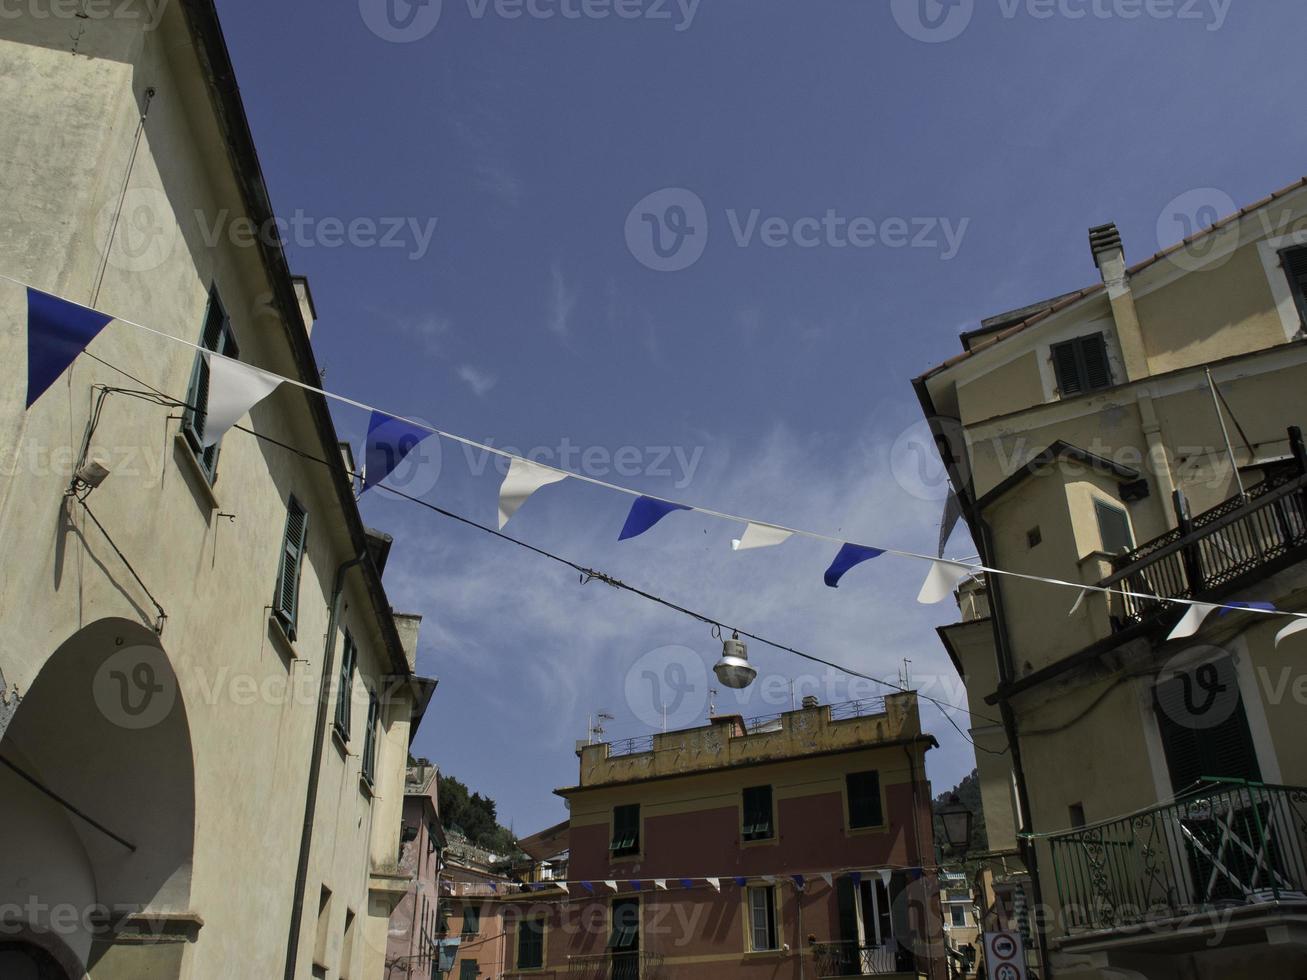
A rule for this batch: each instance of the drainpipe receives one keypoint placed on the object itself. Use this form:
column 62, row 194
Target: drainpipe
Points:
column 1006, row 673
column 315, row 764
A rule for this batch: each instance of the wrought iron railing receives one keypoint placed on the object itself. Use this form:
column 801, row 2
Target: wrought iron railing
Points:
column 1218, row 548
column 853, row 959
column 1230, row 844
column 641, row 965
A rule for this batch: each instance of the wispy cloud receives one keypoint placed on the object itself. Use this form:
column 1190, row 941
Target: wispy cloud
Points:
column 562, row 303
column 479, row 381
column 430, row 330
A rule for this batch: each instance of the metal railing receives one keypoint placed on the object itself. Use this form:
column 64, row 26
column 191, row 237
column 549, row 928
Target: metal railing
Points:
column 757, row 725
column 852, row 959
column 640, row 965
column 1230, row 844
column 1234, row 540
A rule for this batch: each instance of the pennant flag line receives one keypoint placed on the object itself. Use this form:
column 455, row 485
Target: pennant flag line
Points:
column 760, row 536
column 798, row 881
column 660, row 884
column 1230, row 607
column 1191, row 622
column 588, row 886
column 849, row 556
column 389, row 441
column 885, row 875
column 1080, row 601
column 826, row 877
column 741, row 880
column 611, row 884
column 524, row 478
column 1290, row 630
column 855, row 877
column 635, row 885
column 952, row 511
column 57, row 331
column 687, row 884
column 944, row 577
column 234, row 388
column 645, row 513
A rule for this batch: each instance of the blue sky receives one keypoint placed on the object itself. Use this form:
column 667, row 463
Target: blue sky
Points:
column 768, row 372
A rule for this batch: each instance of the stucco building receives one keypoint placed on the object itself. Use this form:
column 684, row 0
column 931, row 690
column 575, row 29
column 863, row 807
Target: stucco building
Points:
column 798, row 845
column 207, row 707
column 416, row 924
column 1139, row 436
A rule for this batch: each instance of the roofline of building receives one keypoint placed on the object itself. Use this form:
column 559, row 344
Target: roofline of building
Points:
column 1070, row 299
column 1057, row 451
column 929, row 740
column 215, row 61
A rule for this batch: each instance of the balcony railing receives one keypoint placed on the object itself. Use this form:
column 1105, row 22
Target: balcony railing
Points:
column 1231, row 845
column 851, row 959
column 1225, row 547
column 641, row 965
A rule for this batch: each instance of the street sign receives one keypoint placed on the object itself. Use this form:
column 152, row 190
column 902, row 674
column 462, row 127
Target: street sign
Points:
column 1005, row 956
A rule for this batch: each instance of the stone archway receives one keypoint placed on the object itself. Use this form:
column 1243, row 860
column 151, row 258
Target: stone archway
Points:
column 98, row 805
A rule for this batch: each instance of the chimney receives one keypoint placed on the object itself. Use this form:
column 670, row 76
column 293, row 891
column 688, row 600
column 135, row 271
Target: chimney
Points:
column 810, row 701
column 1109, row 256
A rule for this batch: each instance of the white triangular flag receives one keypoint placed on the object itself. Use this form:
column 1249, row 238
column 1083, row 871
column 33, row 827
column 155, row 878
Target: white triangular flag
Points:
column 715, row 882
column 770, row 879
column 524, row 478
column 1080, row 601
column 760, row 536
column 660, row 883
column 234, row 388
column 827, row 877
column 611, row 884
column 944, row 577
column 1288, row 631
column 1192, row 620
column 885, row 875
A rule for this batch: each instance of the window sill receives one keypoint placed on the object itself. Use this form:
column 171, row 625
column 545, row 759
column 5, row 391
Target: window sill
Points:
column 339, row 741
column 859, row 831
column 366, row 787
column 761, row 841
column 280, row 637
column 193, row 470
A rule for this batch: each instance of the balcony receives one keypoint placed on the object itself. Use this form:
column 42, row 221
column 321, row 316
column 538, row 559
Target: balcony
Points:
column 1230, row 857
column 641, row 965
column 1226, row 548
column 851, row 959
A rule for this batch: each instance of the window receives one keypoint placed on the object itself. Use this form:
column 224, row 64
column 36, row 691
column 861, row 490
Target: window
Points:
column 626, row 830
column 348, row 662
column 758, row 813
column 762, row 917
column 347, row 945
column 1081, row 365
column 1113, row 528
column 1076, row 811
column 285, row 604
column 626, row 926
column 1034, row 537
column 531, row 944
column 1204, row 729
column 1294, row 261
column 468, row 970
column 471, row 920
column 958, row 914
column 324, row 922
column 370, row 739
column 864, row 799
column 215, row 336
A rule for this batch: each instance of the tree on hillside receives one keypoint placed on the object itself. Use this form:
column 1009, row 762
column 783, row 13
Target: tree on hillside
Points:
column 474, row 816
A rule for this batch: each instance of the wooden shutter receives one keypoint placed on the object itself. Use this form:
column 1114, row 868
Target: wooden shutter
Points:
column 758, row 813
column 1093, row 353
column 1081, row 365
column 370, row 738
column 1067, row 367
column 864, row 799
column 1201, row 738
column 286, row 601
column 214, row 336
column 348, row 659
column 848, row 908
column 626, row 829
column 1294, row 261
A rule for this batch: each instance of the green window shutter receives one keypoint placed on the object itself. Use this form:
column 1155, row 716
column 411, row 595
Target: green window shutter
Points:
column 1113, row 528
column 530, row 944
column 215, row 336
column 848, row 910
column 1204, row 728
column 626, row 829
column 758, row 813
column 1081, row 365
column 370, row 739
column 1093, row 354
column 348, row 660
column 1294, row 261
column 286, row 602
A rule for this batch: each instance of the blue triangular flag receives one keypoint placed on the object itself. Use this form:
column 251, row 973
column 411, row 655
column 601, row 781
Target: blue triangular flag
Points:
column 687, row 884
column 798, row 881
column 849, row 556
column 588, row 886
column 57, row 331
column 856, row 878
column 1264, row 606
column 389, row 441
column 645, row 513
column 635, row 885
column 741, row 880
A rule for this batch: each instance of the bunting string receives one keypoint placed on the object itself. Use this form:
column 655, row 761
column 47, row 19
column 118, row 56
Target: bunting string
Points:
column 59, row 329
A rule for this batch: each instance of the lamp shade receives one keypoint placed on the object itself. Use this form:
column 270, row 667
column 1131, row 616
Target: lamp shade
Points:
column 957, row 824
column 733, row 669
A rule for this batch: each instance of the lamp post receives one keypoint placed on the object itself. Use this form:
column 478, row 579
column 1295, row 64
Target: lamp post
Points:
column 957, row 824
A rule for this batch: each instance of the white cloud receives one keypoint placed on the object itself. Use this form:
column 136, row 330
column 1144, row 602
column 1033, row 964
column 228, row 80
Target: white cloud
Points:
column 562, row 303
column 430, row 330
column 479, row 381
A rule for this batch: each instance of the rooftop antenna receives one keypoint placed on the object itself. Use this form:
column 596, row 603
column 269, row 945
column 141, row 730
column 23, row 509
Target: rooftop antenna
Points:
column 712, row 702
column 595, row 725
column 905, row 678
